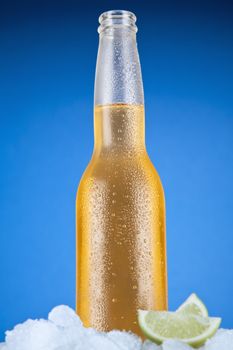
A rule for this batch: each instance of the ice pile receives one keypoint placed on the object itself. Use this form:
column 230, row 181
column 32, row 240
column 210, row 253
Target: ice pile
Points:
column 64, row 331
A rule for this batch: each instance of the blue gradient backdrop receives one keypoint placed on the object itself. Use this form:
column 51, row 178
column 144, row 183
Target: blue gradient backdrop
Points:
column 47, row 65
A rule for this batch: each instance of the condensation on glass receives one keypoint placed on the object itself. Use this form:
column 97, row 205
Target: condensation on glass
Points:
column 121, row 238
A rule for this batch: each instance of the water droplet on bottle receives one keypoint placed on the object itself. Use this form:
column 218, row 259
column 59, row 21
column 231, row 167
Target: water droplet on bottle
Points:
column 114, row 300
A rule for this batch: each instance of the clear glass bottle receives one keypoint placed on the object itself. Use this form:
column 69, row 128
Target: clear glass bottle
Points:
column 121, row 245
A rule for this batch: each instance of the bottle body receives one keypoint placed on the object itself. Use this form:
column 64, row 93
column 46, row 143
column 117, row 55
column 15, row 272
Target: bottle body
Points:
column 120, row 225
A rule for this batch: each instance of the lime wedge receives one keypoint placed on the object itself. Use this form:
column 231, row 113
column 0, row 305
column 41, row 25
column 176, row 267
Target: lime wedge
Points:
column 191, row 328
column 193, row 305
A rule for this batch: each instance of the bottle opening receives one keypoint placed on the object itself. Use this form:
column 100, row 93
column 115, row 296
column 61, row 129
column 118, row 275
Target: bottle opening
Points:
column 117, row 19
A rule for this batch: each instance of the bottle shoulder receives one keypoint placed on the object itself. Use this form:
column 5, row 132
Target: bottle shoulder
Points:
column 101, row 166
column 136, row 171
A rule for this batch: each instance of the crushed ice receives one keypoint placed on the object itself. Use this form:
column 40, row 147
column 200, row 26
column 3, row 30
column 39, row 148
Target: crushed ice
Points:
column 64, row 331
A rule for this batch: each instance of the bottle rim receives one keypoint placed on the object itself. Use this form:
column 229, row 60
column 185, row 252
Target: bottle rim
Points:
column 117, row 19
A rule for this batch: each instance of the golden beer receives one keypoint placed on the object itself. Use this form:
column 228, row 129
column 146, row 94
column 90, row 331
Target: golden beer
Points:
column 121, row 245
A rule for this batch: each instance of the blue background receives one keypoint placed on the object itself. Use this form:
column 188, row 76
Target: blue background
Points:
column 47, row 65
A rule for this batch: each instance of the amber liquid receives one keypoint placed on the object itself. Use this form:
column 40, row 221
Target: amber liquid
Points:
column 121, row 248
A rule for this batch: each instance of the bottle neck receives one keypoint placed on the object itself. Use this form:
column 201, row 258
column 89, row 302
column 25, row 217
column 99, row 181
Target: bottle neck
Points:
column 119, row 129
column 118, row 71
column 119, row 98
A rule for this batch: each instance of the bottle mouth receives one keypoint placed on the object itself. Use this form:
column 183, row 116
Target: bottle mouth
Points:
column 117, row 19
